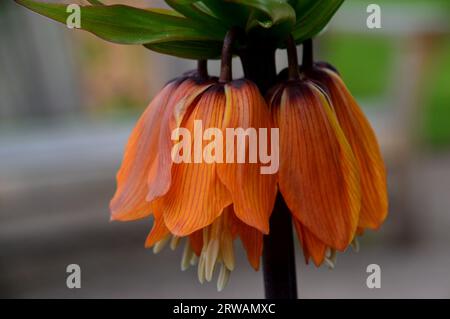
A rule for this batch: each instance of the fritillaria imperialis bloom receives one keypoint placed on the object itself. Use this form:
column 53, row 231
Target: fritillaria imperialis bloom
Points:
column 363, row 142
column 209, row 203
column 332, row 175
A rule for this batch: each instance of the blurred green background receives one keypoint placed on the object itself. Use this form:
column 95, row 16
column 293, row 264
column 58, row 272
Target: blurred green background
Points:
column 357, row 54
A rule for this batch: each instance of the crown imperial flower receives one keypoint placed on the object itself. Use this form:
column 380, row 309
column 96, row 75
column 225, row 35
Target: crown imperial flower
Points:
column 209, row 203
column 332, row 175
column 296, row 143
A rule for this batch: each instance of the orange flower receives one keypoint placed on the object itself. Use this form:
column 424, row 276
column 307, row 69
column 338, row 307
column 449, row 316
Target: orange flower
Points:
column 363, row 142
column 210, row 203
column 140, row 161
column 318, row 174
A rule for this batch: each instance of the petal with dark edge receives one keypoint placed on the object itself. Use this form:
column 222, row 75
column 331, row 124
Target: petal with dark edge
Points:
column 318, row 175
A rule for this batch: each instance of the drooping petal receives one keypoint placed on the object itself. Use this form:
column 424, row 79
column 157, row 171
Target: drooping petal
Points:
column 158, row 232
column 129, row 201
column 251, row 238
column 253, row 192
column 318, row 175
column 177, row 107
column 196, row 196
column 364, row 144
column 312, row 246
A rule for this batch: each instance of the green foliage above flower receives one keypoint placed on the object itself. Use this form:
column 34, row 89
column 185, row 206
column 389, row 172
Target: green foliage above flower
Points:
column 195, row 29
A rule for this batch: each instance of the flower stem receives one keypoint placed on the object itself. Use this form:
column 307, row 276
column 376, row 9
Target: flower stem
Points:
column 258, row 61
column 279, row 257
column 227, row 55
column 202, row 69
column 308, row 56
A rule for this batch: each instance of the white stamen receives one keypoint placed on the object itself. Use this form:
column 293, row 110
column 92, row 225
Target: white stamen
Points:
column 175, row 242
column 159, row 246
column 201, row 269
column 355, row 245
column 187, row 256
column 328, row 252
column 329, row 263
column 227, row 252
column 211, row 255
column 330, row 258
column 223, row 278
column 194, row 260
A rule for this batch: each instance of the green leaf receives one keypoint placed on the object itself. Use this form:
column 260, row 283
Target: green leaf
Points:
column 197, row 12
column 312, row 17
column 197, row 50
column 231, row 14
column 267, row 13
column 263, row 18
column 128, row 25
column 301, row 6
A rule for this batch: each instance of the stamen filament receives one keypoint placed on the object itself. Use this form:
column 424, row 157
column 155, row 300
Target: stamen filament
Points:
column 159, row 246
column 223, row 278
column 175, row 242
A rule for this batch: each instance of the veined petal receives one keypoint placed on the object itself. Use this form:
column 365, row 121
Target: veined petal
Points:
column 251, row 238
column 129, row 201
column 364, row 144
column 177, row 107
column 158, row 232
column 253, row 192
column 196, row 196
column 312, row 246
column 318, row 175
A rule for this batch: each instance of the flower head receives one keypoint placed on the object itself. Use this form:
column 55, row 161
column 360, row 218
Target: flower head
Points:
column 360, row 135
column 318, row 174
column 142, row 158
column 332, row 175
column 193, row 188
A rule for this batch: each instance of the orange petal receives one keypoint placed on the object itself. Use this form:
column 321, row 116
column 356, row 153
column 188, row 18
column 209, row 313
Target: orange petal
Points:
column 158, row 232
column 364, row 144
column 318, row 175
column 196, row 196
column 129, row 201
column 196, row 241
column 253, row 193
column 251, row 238
column 175, row 110
column 312, row 246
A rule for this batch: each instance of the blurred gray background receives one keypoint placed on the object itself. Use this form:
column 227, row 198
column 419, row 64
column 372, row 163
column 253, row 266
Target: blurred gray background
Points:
column 69, row 100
